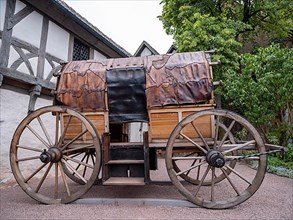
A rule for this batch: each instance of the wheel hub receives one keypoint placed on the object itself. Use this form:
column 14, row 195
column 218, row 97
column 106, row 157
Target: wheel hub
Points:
column 52, row 155
column 215, row 158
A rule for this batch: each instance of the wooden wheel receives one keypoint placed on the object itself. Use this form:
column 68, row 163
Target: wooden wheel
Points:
column 216, row 160
column 194, row 179
column 44, row 144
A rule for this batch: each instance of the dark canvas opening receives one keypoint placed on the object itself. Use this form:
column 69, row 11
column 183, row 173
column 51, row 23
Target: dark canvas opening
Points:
column 126, row 95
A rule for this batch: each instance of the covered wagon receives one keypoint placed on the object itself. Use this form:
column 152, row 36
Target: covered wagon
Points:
column 109, row 119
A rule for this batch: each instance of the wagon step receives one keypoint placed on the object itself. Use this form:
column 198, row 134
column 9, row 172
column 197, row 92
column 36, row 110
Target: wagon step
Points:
column 125, row 162
column 116, row 181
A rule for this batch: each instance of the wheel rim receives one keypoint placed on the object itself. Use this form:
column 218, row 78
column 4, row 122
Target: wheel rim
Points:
column 212, row 190
column 44, row 144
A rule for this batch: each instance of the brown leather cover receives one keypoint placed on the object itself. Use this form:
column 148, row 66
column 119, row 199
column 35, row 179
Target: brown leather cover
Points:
column 178, row 79
column 82, row 86
column 172, row 79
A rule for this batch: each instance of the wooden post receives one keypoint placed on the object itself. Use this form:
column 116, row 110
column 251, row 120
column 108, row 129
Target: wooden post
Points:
column 34, row 93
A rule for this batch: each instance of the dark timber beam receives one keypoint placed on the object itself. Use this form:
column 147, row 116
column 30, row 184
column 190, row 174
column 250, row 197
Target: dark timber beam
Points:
column 19, row 16
column 7, row 33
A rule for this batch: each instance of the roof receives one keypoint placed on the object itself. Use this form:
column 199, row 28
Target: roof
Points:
column 172, row 49
column 144, row 45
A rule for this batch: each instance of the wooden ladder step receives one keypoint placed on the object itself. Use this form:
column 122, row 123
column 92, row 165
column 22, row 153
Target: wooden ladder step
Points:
column 116, row 181
column 125, row 162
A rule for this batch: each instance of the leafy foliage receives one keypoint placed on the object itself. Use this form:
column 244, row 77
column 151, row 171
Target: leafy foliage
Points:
column 258, row 85
column 263, row 91
column 273, row 17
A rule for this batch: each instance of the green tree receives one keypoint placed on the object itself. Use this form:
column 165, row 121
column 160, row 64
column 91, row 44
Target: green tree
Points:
column 263, row 92
column 272, row 17
column 257, row 85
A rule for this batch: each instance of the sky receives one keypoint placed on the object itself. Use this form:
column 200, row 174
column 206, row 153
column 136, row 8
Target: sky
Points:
column 127, row 22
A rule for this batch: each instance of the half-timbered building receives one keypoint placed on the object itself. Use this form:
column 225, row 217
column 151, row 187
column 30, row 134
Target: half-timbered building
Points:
column 36, row 36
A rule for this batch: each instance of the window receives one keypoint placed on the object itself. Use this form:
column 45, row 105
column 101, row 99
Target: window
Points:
column 80, row 51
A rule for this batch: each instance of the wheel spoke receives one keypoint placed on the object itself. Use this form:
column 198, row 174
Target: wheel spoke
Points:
column 198, row 171
column 92, row 156
column 64, row 132
column 231, row 183
column 239, row 146
column 226, row 134
column 202, row 179
column 238, row 174
column 216, row 131
column 57, row 128
column 28, row 158
column 73, row 170
column 73, row 140
column 191, row 165
column 56, row 181
column 190, row 168
column 187, row 158
column 76, row 154
column 45, row 131
column 43, row 178
column 38, row 136
column 193, row 142
column 64, row 179
column 79, row 162
column 200, row 135
column 29, row 148
column 213, row 184
column 87, row 160
column 34, row 173
column 77, row 148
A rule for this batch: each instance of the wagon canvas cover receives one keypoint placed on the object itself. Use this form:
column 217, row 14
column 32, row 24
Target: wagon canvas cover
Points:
column 171, row 79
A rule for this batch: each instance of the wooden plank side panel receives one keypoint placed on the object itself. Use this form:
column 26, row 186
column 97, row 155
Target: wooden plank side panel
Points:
column 74, row 128
column 164, row 120
column 203, row 124
column 162, row 124
column 99, row 123
column 99, row 120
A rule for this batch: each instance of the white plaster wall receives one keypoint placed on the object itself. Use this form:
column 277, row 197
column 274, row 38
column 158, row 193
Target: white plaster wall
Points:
column 58, row 41
column 136, row 130
column 98, row 55
column 146, row 52
column 2, row 13
column 29, row 29
column 13, row 56
column 13, row 108
column 18, row 6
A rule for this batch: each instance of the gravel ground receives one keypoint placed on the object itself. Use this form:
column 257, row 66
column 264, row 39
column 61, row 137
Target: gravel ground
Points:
column 274, row 200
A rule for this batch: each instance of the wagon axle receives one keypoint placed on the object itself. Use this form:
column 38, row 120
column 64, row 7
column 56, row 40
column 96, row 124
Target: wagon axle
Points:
column 215, row 158
column 52, row 155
